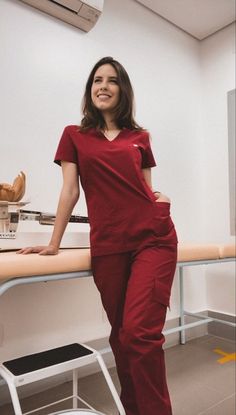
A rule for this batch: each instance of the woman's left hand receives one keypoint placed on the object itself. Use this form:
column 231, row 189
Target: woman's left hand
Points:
column 160, row 197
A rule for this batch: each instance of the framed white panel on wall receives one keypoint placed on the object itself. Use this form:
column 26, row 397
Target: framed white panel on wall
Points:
column 231, row 148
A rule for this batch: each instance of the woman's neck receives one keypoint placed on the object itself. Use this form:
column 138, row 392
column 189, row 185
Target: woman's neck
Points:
column 110, row 124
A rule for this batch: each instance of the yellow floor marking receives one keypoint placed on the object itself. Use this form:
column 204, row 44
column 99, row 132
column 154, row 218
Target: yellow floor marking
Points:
column 227, row 356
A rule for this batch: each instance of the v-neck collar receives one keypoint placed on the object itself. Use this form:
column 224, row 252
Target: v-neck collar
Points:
column 114, row 139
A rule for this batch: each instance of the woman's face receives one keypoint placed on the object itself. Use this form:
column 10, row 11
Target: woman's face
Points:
column 105, row 91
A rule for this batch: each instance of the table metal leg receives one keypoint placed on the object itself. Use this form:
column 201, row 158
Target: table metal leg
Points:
column 181, row 297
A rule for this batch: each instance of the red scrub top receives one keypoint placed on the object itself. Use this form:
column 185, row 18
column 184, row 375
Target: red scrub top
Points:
column 122, row 210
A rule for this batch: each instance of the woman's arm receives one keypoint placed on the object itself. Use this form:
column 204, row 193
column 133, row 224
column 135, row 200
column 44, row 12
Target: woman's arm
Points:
column 68, row 198
column 148, row 179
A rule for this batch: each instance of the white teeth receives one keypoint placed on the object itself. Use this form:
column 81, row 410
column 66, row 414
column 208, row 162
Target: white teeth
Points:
column 103, row 97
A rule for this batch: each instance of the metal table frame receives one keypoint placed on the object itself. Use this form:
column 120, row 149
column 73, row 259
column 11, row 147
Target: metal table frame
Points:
column 12, row 282
column 201, row 318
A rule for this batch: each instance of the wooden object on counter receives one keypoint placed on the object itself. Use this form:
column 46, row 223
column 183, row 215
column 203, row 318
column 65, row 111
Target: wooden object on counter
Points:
column 14, row 192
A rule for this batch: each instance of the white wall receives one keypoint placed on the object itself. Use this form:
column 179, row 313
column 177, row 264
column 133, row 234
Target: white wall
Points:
column 44, row 66
column 218, row 77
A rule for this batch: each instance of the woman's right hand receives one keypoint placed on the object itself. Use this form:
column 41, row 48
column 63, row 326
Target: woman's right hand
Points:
column 41, row 250
column 161, row 198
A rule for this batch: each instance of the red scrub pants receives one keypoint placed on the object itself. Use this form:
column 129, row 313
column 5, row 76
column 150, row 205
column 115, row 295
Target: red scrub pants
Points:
column 135, row 289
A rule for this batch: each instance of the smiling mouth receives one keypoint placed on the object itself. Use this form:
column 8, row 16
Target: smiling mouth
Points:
column 103, row 96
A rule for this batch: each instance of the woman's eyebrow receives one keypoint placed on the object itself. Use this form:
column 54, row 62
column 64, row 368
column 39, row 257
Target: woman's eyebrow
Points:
column 109, row 77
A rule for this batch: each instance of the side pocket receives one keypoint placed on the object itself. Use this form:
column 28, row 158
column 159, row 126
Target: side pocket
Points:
column 162, row 220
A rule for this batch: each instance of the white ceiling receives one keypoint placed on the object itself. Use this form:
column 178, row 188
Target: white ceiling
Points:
column 199, row 18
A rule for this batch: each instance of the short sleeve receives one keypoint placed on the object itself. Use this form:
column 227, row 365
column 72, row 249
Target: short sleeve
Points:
column 66, row 150
column 147, row 155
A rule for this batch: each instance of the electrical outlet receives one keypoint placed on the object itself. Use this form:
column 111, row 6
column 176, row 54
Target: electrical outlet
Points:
column 1, row 334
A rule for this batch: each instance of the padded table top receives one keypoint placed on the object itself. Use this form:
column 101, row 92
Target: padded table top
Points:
column 78, row 259
column 67, row 260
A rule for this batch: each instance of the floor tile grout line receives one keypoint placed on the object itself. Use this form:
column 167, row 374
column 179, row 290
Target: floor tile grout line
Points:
column 215, row 405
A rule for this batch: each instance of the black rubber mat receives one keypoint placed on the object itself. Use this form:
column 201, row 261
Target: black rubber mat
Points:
column 48, row 358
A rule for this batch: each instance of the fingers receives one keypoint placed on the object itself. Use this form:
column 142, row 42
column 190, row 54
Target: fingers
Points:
column 41, row 250
column 163, row 198
column 27, row 250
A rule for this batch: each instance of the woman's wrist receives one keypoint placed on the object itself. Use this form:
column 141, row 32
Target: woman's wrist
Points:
column 54, row 245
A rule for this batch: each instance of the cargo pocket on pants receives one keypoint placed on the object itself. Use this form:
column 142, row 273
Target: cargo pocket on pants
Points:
column 166, row 272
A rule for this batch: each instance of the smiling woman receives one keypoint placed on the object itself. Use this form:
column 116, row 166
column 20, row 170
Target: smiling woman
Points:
column 133, row 239
column 110, row 80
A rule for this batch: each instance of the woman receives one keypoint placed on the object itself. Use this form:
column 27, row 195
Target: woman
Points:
column 133, row 240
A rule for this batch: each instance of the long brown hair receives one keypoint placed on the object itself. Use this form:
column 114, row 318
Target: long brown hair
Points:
column 123, row 113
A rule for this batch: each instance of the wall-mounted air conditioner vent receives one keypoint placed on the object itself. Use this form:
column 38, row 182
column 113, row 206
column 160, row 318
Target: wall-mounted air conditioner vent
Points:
column 82, row 14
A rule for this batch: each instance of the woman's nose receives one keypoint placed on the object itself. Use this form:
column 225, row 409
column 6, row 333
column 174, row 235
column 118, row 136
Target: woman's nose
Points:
column 103, row 86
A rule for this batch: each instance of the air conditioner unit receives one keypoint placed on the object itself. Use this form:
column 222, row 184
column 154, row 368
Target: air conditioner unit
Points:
column 82, row 14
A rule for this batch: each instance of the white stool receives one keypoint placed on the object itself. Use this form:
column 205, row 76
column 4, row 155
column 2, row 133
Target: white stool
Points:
column 38, row 366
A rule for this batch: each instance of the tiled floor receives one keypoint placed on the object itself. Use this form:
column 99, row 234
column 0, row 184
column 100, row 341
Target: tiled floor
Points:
column 198, row 383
